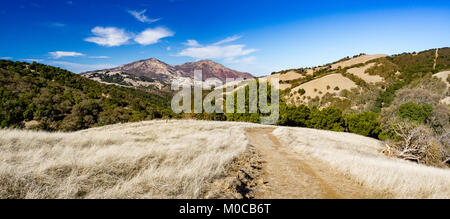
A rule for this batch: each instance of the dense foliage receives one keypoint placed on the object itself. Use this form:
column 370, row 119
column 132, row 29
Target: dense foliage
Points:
column 295, row 116
column 365, row 124
column 415, row 112
column 44, row 97
column 329, row 118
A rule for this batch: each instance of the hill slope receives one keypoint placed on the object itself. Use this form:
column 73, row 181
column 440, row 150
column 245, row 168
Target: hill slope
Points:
column 377, row 78
column 45, row 97
column 229, row 160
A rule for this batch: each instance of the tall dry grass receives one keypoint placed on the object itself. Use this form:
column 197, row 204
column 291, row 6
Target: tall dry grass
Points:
column 361, row 159
column 179, row 159
column 152, row 159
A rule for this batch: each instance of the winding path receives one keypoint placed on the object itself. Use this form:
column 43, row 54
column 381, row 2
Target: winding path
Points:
column 288, row 174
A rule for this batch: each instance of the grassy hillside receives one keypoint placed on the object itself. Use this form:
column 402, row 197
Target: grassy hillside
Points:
column 43, row 97
column 132, row 160
column 393, row 98
column 202, row 159
column 377, row 80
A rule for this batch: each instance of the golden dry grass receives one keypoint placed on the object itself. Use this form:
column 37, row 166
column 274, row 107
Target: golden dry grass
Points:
column 357, row 60
column 319, row 87
column 153, row 159
column 180, row 159
column 288, row 76
column 361, row 73
column 361, row 159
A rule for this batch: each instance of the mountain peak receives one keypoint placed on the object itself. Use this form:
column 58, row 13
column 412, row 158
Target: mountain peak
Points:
column 211, row 69
column 153, row 60
column 156, row 70
column 207, row 61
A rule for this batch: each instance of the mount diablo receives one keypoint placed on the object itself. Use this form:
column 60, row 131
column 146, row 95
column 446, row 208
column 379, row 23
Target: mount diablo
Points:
column 155, row 73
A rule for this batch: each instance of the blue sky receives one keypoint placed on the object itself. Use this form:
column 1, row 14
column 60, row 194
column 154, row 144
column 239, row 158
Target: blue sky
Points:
column 254, row 36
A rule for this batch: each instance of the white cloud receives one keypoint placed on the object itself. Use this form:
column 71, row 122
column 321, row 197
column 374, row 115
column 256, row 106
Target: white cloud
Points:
column 60, row 54
column 216, row 52
column 6, row 58
column 109, row 36
column 152, row 36
column 140, row 16
column 228, row 40
column 219, row 51
column 192, row 43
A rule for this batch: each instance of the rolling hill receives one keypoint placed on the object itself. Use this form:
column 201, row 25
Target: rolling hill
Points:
column 364, row 82
column 38, row 96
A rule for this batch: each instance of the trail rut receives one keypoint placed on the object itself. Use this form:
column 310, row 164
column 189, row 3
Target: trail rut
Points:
column 436, row 58
column 289, row 174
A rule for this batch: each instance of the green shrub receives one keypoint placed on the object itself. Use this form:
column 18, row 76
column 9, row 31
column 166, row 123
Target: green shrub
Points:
column 301, row 91
column 328, row 119
column 415, row 112
column 365, row 124
column 294, row 116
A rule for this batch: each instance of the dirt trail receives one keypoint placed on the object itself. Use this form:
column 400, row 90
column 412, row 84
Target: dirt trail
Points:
column 288, row 174
column 436, row 58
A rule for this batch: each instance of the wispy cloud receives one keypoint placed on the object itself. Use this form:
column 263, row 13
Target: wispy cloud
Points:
column 80, row 67
column 152, row 36
column 140, row 16
column 33, row 60
column 192, row 43
column 55, row 25
column 60, row 54
column 216, row 52
column 228, row 40
column 109, row 36
column 246, row 60
column 99, row 57
column 219, row 51
column 5, row 58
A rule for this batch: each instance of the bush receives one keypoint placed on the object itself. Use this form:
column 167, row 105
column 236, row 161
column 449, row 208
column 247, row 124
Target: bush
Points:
column 328, row 119
column 295, row 116
column 301, row 92
column 417, row 143
column 365, row 124
column 439, row 119
column 415, row 112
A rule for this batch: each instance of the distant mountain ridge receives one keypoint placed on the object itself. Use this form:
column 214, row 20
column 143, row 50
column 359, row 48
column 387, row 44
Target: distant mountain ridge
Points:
column 155, row 73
